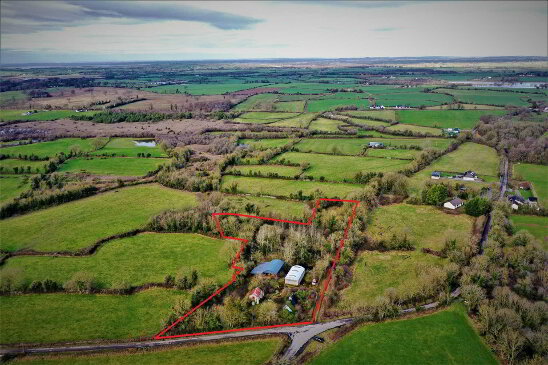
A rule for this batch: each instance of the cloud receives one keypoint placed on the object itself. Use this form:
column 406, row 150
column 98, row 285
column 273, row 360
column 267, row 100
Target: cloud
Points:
column 385, row 29
column 25, row 16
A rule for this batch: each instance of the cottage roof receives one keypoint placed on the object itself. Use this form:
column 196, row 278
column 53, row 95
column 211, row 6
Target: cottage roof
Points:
column 456, row 202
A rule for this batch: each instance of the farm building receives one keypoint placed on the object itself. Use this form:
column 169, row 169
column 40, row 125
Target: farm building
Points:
column 268, row 268
column 436, row 175
column 516, row 199
column 295, row 275
column 532, row 200
column 453, row 204
column 469, row 176
column 376, row 144
column 256, row 295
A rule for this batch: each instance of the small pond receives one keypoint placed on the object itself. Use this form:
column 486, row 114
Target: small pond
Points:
column 145, row 143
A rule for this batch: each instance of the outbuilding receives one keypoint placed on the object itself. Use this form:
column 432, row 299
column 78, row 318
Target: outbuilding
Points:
column 256, row 295
column 436, row 175
column 453, row 204
column 376, row 144
column 295, row 275
column 268, row 268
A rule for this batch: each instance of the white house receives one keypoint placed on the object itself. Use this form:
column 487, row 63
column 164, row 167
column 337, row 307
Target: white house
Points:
column 295, row 275
column 436, row 175
column 453, row 204
column 469, row 176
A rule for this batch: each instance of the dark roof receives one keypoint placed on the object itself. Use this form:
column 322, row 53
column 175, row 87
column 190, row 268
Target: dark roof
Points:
column 272, row 267
column 470, row 173
column 456, row 202
column 533, row 199
column 436, row 173
column 516, row 198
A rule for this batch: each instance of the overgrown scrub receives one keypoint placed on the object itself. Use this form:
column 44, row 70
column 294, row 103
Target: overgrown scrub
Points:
column 130, row 117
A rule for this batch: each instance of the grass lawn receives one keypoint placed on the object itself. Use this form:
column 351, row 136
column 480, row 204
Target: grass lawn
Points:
column 469, row 156
column 424, row 225
column 7, row 165
column 118, row 166
column 264, row 144
column 445, row 337
column 47, row 318
column 537, row 226
column 537, row 175
column 288, row 171
column 325, row 125
column 375, row 271
column 415, row 128
column 464, row 119
column 145, row 258
column 81, row 223
column 280, row 187
column 128, row 147
column 339, row 168
column 51, row 148
column 203, row 89
column 268, row 207
column 300, row 121
column 12, row 186
column 9, row 115
column 247, row 352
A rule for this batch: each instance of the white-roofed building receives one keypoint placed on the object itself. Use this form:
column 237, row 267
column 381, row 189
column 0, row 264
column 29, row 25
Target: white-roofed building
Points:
column 295, row 275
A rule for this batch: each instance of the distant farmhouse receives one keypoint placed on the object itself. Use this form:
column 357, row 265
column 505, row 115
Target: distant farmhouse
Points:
column 436, row 175
column 453, row 204
column 376, row 144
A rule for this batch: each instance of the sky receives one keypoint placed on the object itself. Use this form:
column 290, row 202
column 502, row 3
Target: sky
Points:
column 96, row 31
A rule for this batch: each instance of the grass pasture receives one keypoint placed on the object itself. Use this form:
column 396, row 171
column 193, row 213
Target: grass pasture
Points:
column 257, row 102
column 393, row 153
column 415, row 128
column 301, row 121
column 269, row 207
column 491, row 97
column 413, row 97
column 247, row 352
column 51, row 148
column 266, row 143
column 290, row 106
column 12, row 115
column 128, row 147
column 415, row 221
column 81, row 223
column 537, row 175
column 78, row 317
column 203, row 89
column 536, row 225
column 116, row 166
column 389, row 115
column 369, row 122
column 322, row 105
column 445, row 337
column 263, row 117
column 464, row 119
column 287, row 171
column 7, row 166
column 280, row 187
column 12, row 186
column 145, row 258
column 339, row 168
column 353, row 146
column 325, row 125
column 10, row 97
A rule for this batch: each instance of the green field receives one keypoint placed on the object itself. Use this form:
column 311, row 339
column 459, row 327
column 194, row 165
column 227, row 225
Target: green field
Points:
column 325, row 125
column 288, row 171
column 270, row 207
column 279, row 187
column 375, row 114
column 118, row 166
column 537, row 175
column 145, row 258
column 393, row 153
column 257, row 102
column 203, row 89
column 309, row 88
column 464, row 119
column 419, row 225
column 7, row 97
column 323, row 105
column 374, row 272
column 415, row 128
column 51, row 148
column 10, row 115
column 490, row 97
column 289, row 106
column 80, row 223
column 263, row 117
column 48, row 318
column 369, row 123
column 445, row 337
column 12, row 186
column 338, row 168
column 267, row 143
column 249, row 352
column 301, row 121
column 469, row 156
column 127, row 147
column 353, row 146
column 536, row 225
column 412, row 97
column 7, row 165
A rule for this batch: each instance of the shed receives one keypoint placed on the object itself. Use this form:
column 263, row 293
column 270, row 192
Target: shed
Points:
column 295, row 275
column 436, row 175
column 453, row 204
column 256, row 295
column 268, row 268
column 376, row 144
column 469, row 176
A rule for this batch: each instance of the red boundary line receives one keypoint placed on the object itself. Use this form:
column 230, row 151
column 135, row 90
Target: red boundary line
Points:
column 238, row 270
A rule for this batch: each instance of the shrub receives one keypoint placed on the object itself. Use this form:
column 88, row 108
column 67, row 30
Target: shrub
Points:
column 477, row 206
column 436, row 194
column 81, row 283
